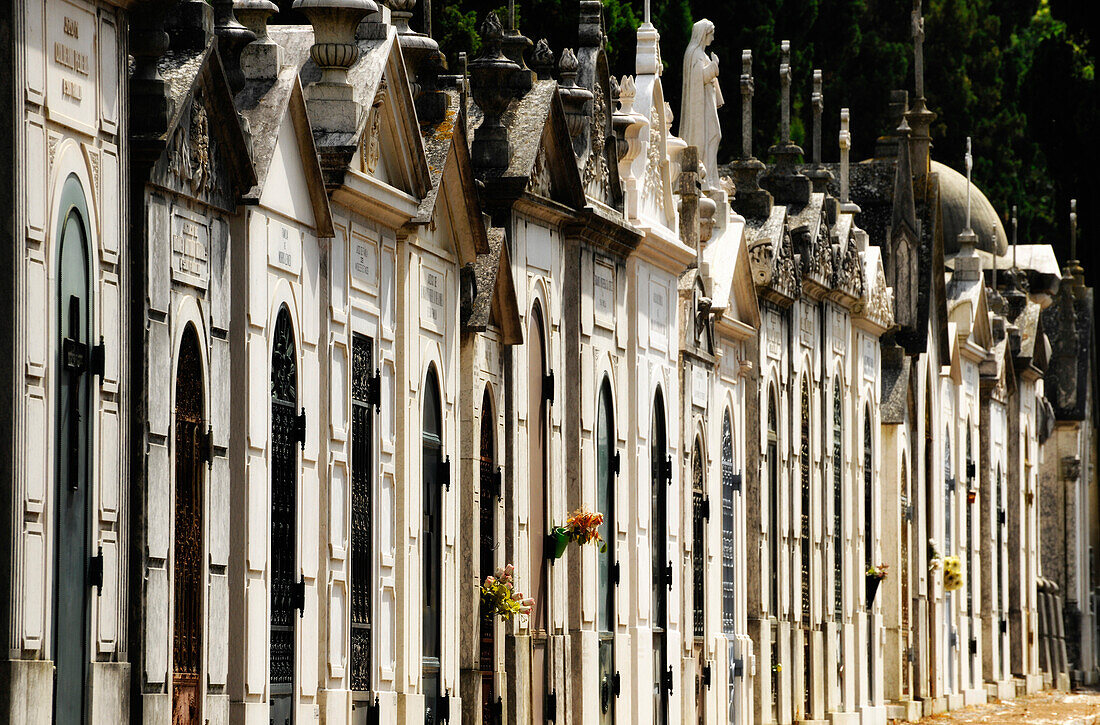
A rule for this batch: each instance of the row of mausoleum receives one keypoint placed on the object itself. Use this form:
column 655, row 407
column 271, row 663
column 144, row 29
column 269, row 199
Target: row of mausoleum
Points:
column 352, row 383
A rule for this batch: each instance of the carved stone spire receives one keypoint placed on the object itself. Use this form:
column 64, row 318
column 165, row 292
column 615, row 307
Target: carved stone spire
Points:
column 785, row 181
column 331, row 99
column 967, row 264
column 573, row 97
column 1074, row 272
column 751, row 200
column 263, row 57
column 543, row 60
column 232, row 38
column 1016, row 283
column 515, row 44
column 819, row 175
column 415, row 47
column 846, row 204
column 490, row 77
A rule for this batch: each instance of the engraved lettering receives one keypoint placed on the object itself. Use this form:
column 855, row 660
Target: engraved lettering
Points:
column 72, row 29
column 70, row 58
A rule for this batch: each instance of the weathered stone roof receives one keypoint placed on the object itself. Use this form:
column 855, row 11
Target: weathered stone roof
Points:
column 524, row 119
column 179, row 69
column 1028, row 323
column 485, row 270
column 438, row 138
column 263, row 104
column 895, row 387
column 983, row 217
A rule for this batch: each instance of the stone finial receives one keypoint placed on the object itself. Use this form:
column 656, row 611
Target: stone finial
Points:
column 920, row 118
column 331, row 99
column 490, row 77
column 543, row 60
column 629, row 127
column 785, row 181
column 573, row 97
column 148, row 90
column 751, row 200
column 688, row 184
column 1015, row 229
column 415, row 47
column 846, row 204
column 262, row 58
column 917, row 23
column 232, row 39
column 968, row 240
column 191, row 25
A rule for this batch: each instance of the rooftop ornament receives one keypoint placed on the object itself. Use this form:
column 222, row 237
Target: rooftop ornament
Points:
column 701, row 99
column 968, row 265
column 751, row 200
column 846, row 204
column 491, row 75
column 232, row 39
column 573, row 97
column 262, row 58
column 786, row 182
column 819, row 175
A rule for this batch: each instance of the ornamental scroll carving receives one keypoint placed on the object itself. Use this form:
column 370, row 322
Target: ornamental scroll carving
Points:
column 540, row 176
column 372, row 144
column 819, row 262
column 878, row 306
column 849, row 271
column 776, row 271
column 596, row 177
column 653, row 187
column 193, row 161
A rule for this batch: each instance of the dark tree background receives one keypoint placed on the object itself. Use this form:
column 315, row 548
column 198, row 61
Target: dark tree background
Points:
column 1016, row 75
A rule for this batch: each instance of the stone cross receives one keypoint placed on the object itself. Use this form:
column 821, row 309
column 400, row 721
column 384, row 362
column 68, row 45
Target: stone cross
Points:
column 969, row 166
column 918, row 47
column 511, row 14
column 1014, row 228
column 845, row 147
column 746, row 104
column 818, row 100
column 785, row 83
column 645, row 12
column 993, row 234
column 1073, row 229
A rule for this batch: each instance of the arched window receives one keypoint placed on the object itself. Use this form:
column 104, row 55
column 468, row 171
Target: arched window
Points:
column 606, row 469
column 286, row 436
column 187, row 568
column 363, row 382
column 838, row 502
column 434, row 473
column 661, row 573
column 490, row 489
column 74, row 465
column 729, row 533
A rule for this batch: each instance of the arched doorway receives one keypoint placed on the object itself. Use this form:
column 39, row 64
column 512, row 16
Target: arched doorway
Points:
column 538, row 471
column 698, row 569
column 187, row 567
column 74, row 465
column 869, row 542
column 774, row 546
column 431, row 538
column 286, row 435
column 363, row 391
column 605, row 595
column 660, row 572
column 729, row 561
column 838, row 525
column 487, row 545
column 949, row 550
column 805, row 544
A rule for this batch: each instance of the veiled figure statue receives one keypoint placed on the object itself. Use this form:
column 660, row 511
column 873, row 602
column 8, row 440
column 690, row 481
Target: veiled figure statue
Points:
column 701, row 99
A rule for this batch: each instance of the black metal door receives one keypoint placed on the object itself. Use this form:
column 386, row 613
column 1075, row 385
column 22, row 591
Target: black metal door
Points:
column 284, row 489
column 70, row 641
column 431, row 542
column 363, row 389
column 489, row 492
column 660, row 478
column 187, row 567
column 698, row 567
column 605, row 599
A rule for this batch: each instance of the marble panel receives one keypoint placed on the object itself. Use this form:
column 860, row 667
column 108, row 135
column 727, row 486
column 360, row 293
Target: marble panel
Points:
column 157, row 614
column 217, row 657
column 158, row 490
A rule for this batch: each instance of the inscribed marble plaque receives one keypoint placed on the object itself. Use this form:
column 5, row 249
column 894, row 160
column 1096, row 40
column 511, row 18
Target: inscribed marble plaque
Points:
column 72, row 65
column 433, row 298
column 190, row 250
column 603, row 292
column 284, row 250
column 658, row 316
column 364, row 261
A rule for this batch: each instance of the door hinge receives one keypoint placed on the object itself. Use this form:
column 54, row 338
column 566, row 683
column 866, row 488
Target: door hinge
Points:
column 704, row 508
column 953, row 640
column 668, row 680
column 616, row 684
column 1002, row 518
column 910, row 655
column 973, row 646
column 374, row 715
column 951, row 484
column 668, row 470
column 668, row 575
column 95, row 572
column 497, row 483
column 374, row 390
column 496, row 712
column 736, row 482
column 298, row 593
column 706, row 675
column 616, row 463
column 908, row 512
column 548, row 387
column 206, row 445
column 738, row 668
column 96, row 359
column 971, row 470
column 615, row 573
column 551, row 710
column 444, row 472
column 300, row 429
column 1004, row 625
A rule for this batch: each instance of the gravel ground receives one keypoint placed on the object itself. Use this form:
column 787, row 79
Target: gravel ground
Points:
column 1045, row 708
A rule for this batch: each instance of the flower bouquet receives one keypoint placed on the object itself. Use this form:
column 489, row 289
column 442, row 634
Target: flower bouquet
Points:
column 875, row 575
column 499, row 597
column 934, row 558
column 952, row 573
column 583, row 527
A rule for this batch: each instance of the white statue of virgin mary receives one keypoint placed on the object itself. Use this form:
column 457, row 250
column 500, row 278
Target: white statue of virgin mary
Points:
column 701, row 99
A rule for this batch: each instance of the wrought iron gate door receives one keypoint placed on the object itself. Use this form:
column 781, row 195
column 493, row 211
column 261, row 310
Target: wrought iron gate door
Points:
column 284, row 488
column 73, row 481
column 187, row 569
column 363, row 385
column 489, row 492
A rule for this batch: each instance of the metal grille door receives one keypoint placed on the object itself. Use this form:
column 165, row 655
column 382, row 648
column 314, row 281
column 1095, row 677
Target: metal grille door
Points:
column 363, row 382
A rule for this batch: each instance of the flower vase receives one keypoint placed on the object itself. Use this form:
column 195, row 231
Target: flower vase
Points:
column 872, row 589
column 558, row 541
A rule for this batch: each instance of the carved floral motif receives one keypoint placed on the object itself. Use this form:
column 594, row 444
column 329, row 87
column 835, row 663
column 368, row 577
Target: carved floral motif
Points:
column 372, row 144
column 540, row 176
column 596, row 177
column 653, row 187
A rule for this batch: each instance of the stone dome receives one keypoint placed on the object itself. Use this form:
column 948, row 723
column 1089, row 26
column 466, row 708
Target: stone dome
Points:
column 983, row 217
